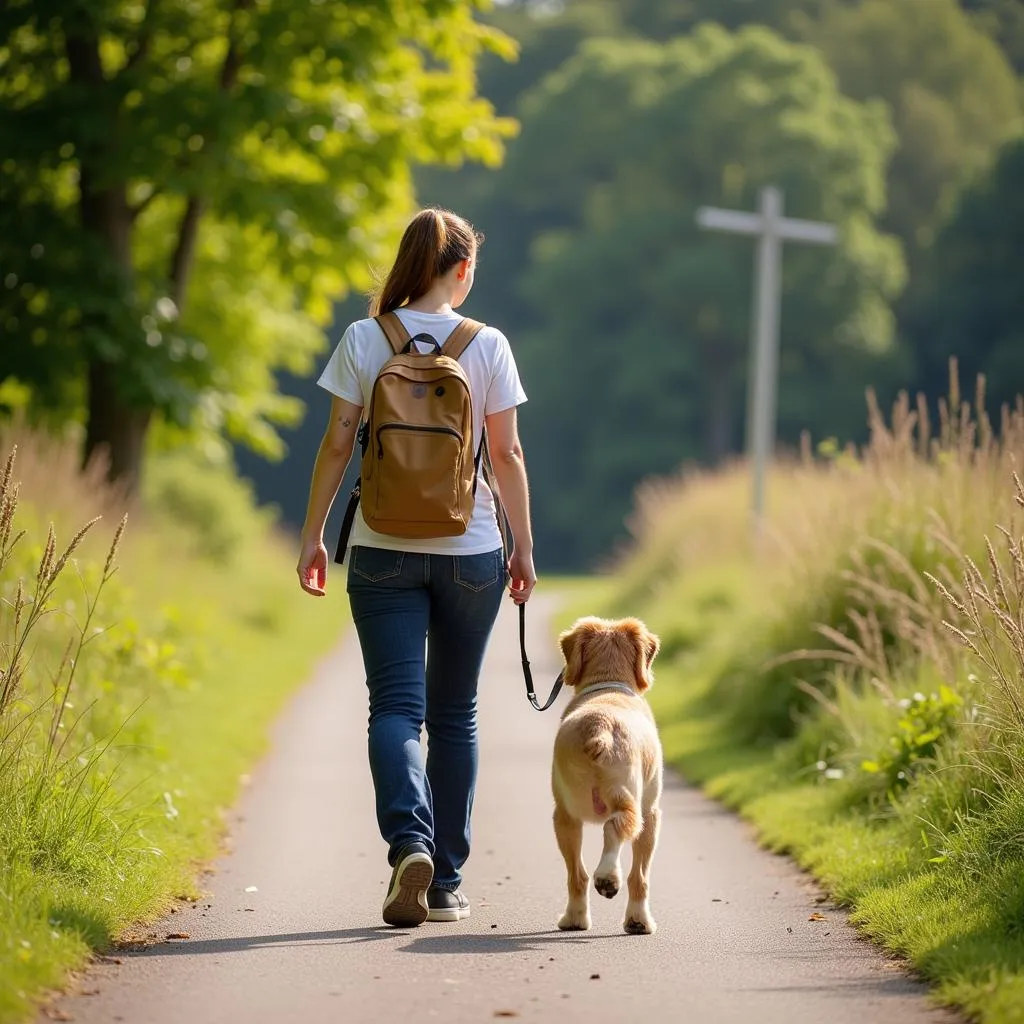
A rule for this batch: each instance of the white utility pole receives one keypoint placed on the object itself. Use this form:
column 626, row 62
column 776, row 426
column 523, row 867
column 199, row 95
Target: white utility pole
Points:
column 771, row 229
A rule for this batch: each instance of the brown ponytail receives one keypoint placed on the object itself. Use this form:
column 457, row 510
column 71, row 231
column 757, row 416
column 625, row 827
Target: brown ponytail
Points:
column 433, row 243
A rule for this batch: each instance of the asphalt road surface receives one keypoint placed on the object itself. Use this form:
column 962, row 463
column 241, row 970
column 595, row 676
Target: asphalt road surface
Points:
column 290, row 928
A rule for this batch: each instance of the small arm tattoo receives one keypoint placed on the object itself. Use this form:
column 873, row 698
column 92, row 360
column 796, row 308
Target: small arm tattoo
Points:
column 346, row 422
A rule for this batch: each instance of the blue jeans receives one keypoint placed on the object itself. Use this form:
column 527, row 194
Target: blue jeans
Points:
column 423, row 623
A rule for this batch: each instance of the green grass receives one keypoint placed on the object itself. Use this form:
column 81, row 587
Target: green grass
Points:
column 952, row 904
column 854, row 684
column 206, row 636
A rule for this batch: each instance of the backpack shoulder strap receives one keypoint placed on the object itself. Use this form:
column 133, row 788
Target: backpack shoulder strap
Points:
column 459, row 340
column 394, row 330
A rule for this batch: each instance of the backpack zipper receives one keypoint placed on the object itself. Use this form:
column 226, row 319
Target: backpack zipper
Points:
column 408, row 426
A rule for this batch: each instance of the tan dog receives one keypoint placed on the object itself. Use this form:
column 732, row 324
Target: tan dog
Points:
column 607, row 764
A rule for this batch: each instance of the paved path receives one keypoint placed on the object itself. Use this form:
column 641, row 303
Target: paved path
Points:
column 734, row 942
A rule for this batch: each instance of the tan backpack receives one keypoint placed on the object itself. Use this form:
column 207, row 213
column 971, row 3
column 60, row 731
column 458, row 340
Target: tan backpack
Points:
column 418, row 471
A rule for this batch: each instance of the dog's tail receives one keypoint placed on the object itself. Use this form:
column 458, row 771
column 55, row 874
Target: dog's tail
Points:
column 625, row 816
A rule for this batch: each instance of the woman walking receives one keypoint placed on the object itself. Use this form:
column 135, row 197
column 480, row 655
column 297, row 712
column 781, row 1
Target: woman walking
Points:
column 424, row 608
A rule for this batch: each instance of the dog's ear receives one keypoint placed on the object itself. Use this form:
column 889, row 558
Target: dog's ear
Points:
column 647, row 646
column 573, row 643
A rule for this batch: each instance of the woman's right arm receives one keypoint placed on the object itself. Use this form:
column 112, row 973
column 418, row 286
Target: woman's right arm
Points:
column 510, row 474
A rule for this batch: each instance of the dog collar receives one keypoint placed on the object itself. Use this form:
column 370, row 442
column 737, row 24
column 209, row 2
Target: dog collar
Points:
column 620, row 687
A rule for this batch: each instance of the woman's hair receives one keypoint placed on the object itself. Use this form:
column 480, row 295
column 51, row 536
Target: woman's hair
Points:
column 433, row 243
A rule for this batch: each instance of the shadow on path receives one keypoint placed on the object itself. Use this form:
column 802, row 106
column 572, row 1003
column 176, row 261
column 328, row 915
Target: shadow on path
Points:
column 519, row 942
column 457, row 943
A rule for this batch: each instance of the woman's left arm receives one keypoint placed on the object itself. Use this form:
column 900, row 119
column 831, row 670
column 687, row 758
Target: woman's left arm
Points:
column 331, row 462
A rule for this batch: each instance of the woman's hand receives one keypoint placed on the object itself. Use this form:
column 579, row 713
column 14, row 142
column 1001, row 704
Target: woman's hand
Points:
column 524, row 577
column 312, row 567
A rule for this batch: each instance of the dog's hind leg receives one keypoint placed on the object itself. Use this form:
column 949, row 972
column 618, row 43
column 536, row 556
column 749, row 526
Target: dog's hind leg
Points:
column 569, row 833
column 608, row 876
column 638, row 914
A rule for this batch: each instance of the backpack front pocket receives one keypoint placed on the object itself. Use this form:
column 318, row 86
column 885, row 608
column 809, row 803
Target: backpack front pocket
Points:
column 418, row 469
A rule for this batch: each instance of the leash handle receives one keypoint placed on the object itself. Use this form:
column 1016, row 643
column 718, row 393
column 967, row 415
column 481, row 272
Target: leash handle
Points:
column 531, row 693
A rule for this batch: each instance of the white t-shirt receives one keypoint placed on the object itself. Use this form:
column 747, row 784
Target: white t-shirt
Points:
column 494, row 387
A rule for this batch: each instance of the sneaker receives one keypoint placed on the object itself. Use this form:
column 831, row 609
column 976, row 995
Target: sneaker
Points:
column 406, row 903
column 445, row 905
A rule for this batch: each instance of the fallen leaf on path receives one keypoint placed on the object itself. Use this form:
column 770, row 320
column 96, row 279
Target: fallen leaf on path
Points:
column 595, row 977
column 505, row 1013
column 817, row 917
column 177, row 935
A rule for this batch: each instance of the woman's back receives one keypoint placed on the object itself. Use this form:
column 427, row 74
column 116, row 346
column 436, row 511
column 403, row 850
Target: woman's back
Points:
column 494, row 387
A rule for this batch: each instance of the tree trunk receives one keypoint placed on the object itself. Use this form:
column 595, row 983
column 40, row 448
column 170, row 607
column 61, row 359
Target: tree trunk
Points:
column 115, row 432
column 115, row 429
column 184, row 251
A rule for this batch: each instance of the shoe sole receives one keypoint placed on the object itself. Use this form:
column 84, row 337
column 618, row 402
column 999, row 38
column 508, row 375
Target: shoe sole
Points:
column 406, row 903
column 449, row 914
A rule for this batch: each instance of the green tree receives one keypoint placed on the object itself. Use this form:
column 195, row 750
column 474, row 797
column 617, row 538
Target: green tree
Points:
column 1003, row 20
column 954, row 99
column 186, row 185
column 635, row 336
column 973, row 304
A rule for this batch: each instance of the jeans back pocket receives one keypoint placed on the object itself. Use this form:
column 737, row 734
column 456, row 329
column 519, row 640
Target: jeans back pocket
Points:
column 478, row 572
column 376, row 564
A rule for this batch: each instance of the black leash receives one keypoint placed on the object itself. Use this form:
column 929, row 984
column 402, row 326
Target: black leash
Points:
column 531, row 693
column 507, row 548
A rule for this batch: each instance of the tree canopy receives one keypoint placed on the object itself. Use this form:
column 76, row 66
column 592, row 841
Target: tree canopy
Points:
column 954, row 98
column 973, row 304
column 635, row 332
column 188, row 185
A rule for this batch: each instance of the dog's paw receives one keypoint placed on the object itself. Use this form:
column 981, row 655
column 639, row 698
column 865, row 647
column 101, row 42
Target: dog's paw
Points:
column 638, row 920
column 608, row 885
column 639, row 926
column 574, row 920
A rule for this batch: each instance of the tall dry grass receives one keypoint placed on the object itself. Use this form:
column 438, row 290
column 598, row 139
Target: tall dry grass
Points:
column 855, row 683
column 875, row 572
